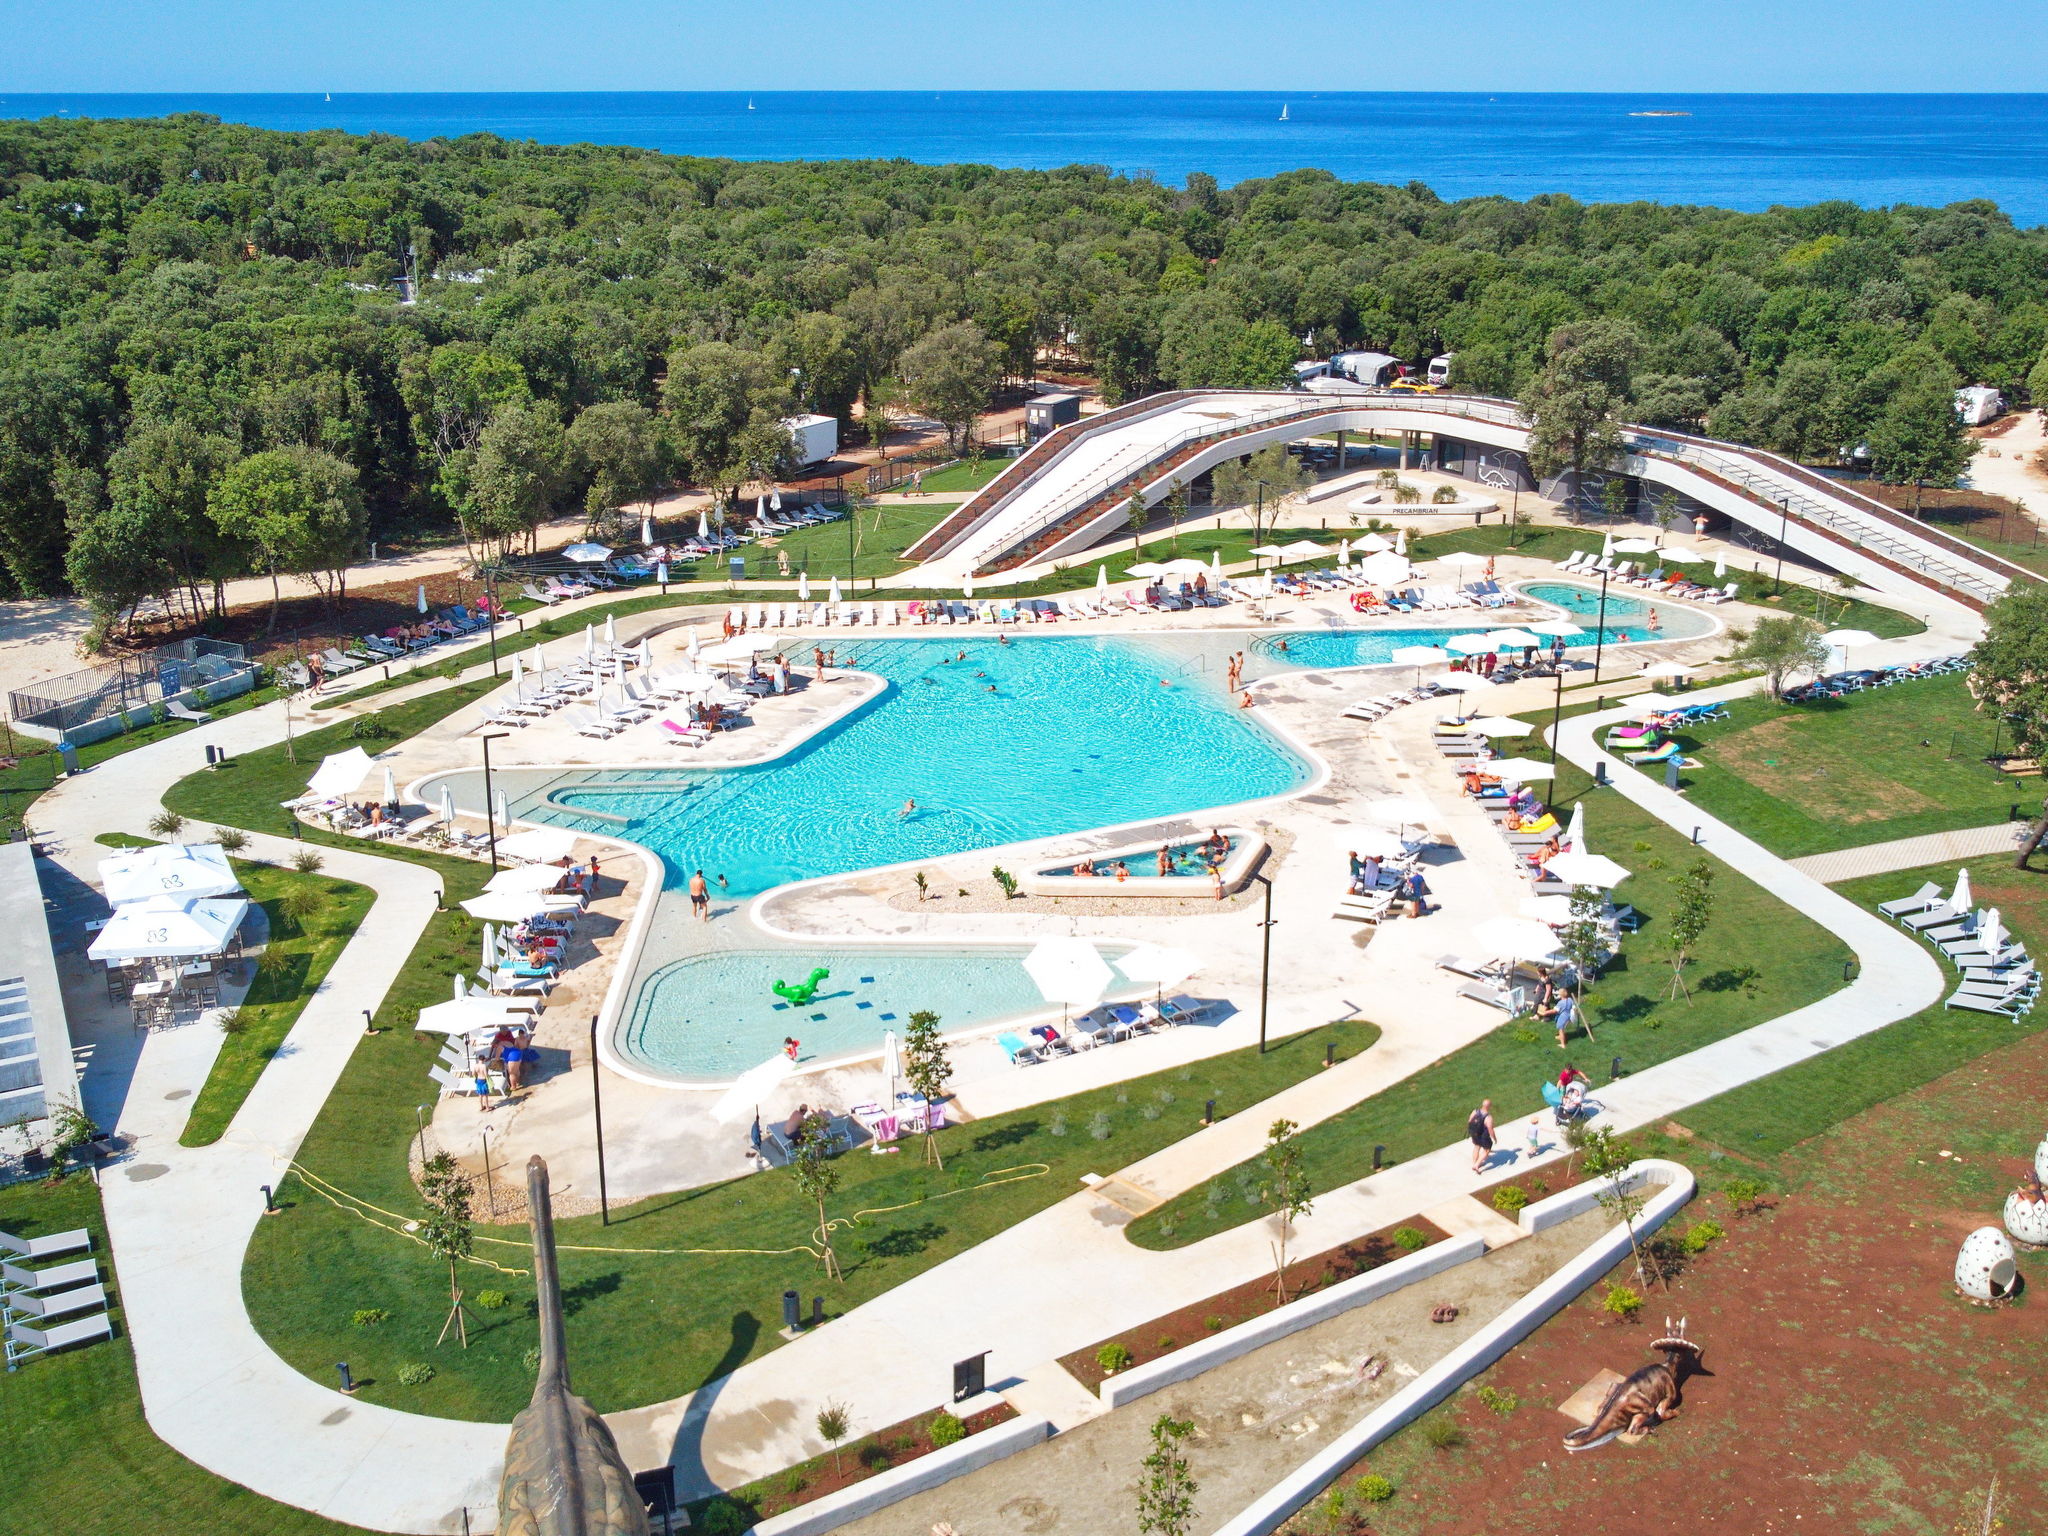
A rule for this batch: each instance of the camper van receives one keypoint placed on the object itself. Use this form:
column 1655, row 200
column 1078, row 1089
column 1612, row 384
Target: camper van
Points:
column 1372, row 369
column 1979, row 403
column 1440, row 370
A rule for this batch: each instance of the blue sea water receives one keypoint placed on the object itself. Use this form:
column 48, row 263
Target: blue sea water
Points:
column 1732, row 151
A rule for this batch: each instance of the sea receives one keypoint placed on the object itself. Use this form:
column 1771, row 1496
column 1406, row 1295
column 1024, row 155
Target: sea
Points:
column 1729, row 151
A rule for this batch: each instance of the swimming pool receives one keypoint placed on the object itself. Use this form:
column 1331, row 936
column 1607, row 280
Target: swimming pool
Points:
column 1626, row 614
column 1184, row 860
column 704, row 1017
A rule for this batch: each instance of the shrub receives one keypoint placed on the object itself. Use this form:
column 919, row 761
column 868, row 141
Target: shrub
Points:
column 1098, row 1127
column 231, row 839
column 872, row 1456
column 1699, row 1234
column 1373, row 1488
column 1743, row 1193
column 1112, row 1357
column 722, row 1517
column 531, row 1360
column 307, row 862
column 1509, row 1199
column 1006, row 880
column 1502, row 1403
column 229, row 1021
column 1151, row 1111
column 166, row 824
column 1622, row 1302
column 1058, row 1127
column 416, row 1373
column 368, row 1317
column 301, row 904
column 945, row 1430
column 1444, row 495
column 1213, row 1323
column 1410, row 1239
column 1442, row 1432
column 490, row 1301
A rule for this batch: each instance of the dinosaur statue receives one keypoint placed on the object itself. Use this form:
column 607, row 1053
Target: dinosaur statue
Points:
column 1649, row 1395
column 800, row 992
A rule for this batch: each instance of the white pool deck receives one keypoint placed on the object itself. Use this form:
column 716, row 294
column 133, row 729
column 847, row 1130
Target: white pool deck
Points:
column 180, row 1217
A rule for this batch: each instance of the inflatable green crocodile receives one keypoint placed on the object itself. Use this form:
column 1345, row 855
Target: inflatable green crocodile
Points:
column 800, row 992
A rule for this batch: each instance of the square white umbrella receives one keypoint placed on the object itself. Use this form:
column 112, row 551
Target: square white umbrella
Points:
column 1370, row 544
column 1515, row 938
column 544, row 844
column 1068, row 971
column 1372, row 843
column 1145, row 570
column 1420, row 655
column 187, row 871
column 1515, row 638
column 1464, row 682
column 1554, row 911
column 1635, row 547
column 1518, row 770
column 527, row 877
column 459, row 1018
column 1555, row 628
column 340, row 773
column 1489, row 725
column 750, row 1088
column 165, row 927
column 1593, row 869
column 1385, row 569
column 1470, row 645
column 516, row 906
column 1399, row 811
column 1302, row 549
column 588, row 554
column 1161, row 964
column 1461, row 557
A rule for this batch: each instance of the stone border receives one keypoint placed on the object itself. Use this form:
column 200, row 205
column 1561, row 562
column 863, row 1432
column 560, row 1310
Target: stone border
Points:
column 899, row 1483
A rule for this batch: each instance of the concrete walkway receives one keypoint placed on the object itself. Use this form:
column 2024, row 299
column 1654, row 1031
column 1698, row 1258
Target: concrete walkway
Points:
column 1911, row 852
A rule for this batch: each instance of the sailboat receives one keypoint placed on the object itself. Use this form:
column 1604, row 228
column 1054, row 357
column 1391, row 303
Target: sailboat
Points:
column 1283, row 111
column 330, row 95
column 750, row 103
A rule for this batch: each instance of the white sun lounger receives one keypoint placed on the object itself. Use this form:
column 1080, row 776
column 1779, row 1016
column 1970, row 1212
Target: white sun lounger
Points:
column 24, row 1341
column 56, row 1277
column 1919, row 901
column 75, row 1241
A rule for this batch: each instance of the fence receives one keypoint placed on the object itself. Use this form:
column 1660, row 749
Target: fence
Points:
column 102, row 701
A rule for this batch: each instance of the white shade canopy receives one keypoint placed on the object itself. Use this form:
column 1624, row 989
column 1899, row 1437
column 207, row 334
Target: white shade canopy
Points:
column 1369, row 544
column 545, row 844
column 1375, row 843
column 1068, row 970
column 1491, row 725
column 1470, row 645
column 1515, row 938
column 1849, row 637
column 460, row 1017
column 1302, row 549
column 750, row 1088
column 1384, row 569
column 1462, row 557
column 527, row 877
column 1185, row 566
column 1635, row 547
column 1552, row 910
column 741, row 647
column 1420, row 655
column 1646, row 704
column 1464, row 682
column 516, row 906
column 1518, row 770
column 165, row 927
column 1668, row 669
column 1554, row 628
column 340, row 773
column 587, row 554
column 1513, row 637
column 1163, row 965
column 1398, row 811
column 1586, row 869
column 187, row 871
column 1145, row 570
column 1681, row 556
column 1269, row 551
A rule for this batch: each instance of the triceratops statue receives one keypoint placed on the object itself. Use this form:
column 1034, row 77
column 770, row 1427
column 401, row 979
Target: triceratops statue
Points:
column 1649, row 1395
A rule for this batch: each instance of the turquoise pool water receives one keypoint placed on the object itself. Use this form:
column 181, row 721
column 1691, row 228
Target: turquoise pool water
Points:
column 710, row 1015
column 1627, row 614
column 1185, row 859
column 994, row 743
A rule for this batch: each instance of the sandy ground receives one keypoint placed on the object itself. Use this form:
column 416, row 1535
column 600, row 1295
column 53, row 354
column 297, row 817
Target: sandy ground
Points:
column 39, row 638
column 2005, row 464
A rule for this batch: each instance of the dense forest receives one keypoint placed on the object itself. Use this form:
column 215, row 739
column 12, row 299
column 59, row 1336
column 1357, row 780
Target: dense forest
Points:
column 206, row 368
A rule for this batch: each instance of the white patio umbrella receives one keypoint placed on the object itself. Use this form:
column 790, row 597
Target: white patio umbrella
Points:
column 503, row 812
column 1401, row 543
column 1553, row 911
column 1574, row 839
column 740, row 647
column 1991, row 932
column 527, row 878
column 489, row 962
column 1302, row 549
column 1681, row 556
column 421, row 598
column 1101, row 578
column 187, row 871
column 892, row 1063
column 1498, row 725
column 1419, row 655
column 543, row 845
column 447, row 804
column 1161, row 964
column 1644, row 705
column 1607, row 546
column 967, row 588
column 1464, row 682
column 1185, row 566
column 1343, row 554
column 1470, row 645
column 169, row 928
column 1385, row 569
column 1842, row 639
column 518, row 679
column 460, row 1016
column 1216, row 561
column 1144, row 570
column 390, row 788
column 1586, row 869
column 1636, row 547
column 1268, row 552
column 1371, row 544
column 516, row 906
column 775, row 499
column 611, row 633
column 1512, row 639
column 1555, row 628
column 760, row 508
column 588, row 554
column 340, row 773
column 1461, row 557
column 590, row 642
column 1518, row 770
column 1374, row 843
column 1515, row 938
column 1961, row 900
column 540, row 657
column 750, row 1088
column 703, row 524
column 1398, row 811
column 646, row 530
column 1068, row 971
column 1667, row 669
column 457, row 991
column 834, row 598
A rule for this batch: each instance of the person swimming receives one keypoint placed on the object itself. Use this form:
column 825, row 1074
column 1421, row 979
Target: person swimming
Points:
column 909, row 810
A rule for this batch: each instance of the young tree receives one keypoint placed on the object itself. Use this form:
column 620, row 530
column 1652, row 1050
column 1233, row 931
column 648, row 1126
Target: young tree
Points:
column 1584, row 941
column 619, row 445
column 1688, row 922
column 1285, row 1191
column 1136, row 515
column 1783, row 648
column 1575, row 401
column 1607, row 1158
column 949, row 375
column 833, row 1423
column 301, row 511
column 1918, row 440
column 446, row 1229
column 926, row 1067
column 1264, row 479
column 1166, row 1493
column 2009, row 678
column 817, row 1178
column 1176, row 508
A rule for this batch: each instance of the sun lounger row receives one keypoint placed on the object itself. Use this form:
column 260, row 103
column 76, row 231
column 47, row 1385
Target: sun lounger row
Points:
column 40, row 1306
column 1839, row 684
column 1380, row 704
column 1997, row 976
column 1662, row 583
column 1102, row 1025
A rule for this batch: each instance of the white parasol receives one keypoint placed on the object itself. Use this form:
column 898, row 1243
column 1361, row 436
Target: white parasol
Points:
column 1513, row 639
column 1574, row 839
column 1961, row 899
column 1518, row 770
column 1398, row 811
column 544, row 845
column 340, row 773
column 185, row 871
column 1161, row 964
column 1385, row 569
column 168, row 927
column 1497, row 725
column 1470, row 645
column 1420, row 655
column 1515, row 938
column 1068, row 971
column 750, row 1088
column 588, row 554
column 1593, row 869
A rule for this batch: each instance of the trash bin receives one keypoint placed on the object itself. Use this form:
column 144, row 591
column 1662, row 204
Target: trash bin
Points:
column 69, row 754
column 737, row 566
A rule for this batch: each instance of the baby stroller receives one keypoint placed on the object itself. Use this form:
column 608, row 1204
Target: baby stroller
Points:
column 1569, row 1104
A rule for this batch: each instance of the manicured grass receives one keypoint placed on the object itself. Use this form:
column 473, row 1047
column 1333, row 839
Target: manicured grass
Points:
column 1764, row 1118
column 875, row 548
column 651, row 1325
column 1759, row 959
column 81, row 1459
column 1886, row 763
column 968, row 475
column 295, row 962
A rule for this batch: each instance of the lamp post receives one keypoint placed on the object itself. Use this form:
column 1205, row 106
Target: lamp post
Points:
column 1556, row 713
column 491, row 629
column 1784, row 527
column 490, row 807
column 1599, row 630
column 1265, row 958
column 490, row 1188
column 604, row 1204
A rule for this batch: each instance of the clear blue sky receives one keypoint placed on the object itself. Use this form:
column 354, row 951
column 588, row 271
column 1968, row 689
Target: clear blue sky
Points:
column 1493, row 45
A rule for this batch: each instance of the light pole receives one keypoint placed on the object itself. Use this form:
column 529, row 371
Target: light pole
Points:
column 491, row 629
column 1784, row 527
column 1265, row 958
column 490, row 807
column 1599, row 632
column 1557, row 711
column 490, row 1188
column 604, row 1203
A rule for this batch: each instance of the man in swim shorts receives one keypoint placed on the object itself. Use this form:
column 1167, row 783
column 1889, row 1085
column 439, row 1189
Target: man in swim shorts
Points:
column 700, row 897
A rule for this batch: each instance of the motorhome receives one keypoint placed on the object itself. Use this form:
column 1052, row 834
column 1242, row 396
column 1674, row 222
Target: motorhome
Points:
column 1440, row 370
column 1979, row 403
column 1372, row 369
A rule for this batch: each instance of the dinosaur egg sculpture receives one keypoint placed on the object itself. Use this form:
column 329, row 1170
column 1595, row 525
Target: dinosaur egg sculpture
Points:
column 1985, row 1268
column 2041, row 1161
column 2026, row 1216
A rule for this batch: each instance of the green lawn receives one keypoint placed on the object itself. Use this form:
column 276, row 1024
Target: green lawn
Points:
column 81, row 1460
column 1886, row 763
column 295, row 962
column 968, row 475
column 875, row 548
column 1759, row 959
column 1764, row 1118
column 651, row 1325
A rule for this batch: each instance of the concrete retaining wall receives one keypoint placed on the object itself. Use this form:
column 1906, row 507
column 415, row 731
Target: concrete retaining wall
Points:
column 1185, row 1364
column 884, row 1489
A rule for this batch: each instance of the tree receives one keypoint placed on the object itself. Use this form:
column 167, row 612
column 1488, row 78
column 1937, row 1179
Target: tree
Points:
column 1136, row 515
column 1574, row 402
column 824, row 356
column 949, row 375
column 1265, row 479
column 515, row 475
column 726, row 407
column 1783, row 647
column 1285, row 1191
column 1166, row 1493
column 926, row 1068
column 1918, row 440
column 447, row 1230
column 817, row 1178
column 1689, row 918
column 300, row 509
column 2009, row 678
column 1607, row 1159
column 832, row 1426
column 1584, row 942
column 1176, row 507
column 620, row 446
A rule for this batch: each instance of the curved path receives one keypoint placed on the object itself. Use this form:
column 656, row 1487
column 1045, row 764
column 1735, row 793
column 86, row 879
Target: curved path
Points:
column 182, row 1217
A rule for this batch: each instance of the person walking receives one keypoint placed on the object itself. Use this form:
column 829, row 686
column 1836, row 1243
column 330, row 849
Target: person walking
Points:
column 1479, row 1130
column 700, row 897
column 1567, row 1014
